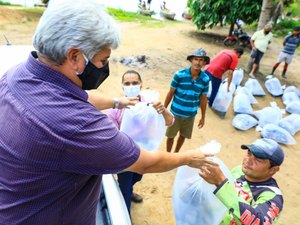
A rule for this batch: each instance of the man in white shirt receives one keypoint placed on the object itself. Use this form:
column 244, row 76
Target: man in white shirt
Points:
column 259, row 42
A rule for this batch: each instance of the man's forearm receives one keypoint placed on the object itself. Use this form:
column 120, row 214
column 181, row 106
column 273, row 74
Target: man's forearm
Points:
column 168, row 99
column 100, row 101
column 203, row 105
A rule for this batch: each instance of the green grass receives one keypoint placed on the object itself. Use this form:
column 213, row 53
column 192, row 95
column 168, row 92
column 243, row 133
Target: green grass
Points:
column 6, row 3
column 38, row 10
column 145, row 21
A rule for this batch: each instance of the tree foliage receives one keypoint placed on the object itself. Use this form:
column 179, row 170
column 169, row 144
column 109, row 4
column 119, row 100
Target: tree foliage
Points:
column 209, row 13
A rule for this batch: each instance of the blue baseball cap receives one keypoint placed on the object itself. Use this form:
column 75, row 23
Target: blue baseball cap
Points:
column 265, row 148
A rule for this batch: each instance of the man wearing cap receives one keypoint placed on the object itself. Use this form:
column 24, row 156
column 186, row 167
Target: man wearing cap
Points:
column 223, row 61
column 290, row 43
column 188, row 90
column 255, row 197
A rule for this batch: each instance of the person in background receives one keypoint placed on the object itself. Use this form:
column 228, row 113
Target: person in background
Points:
column 290, row 43
column 54, row 144
column 132, row 84
column 254, row 197
column 219, row 64
column 259, row 43
column 188, row 91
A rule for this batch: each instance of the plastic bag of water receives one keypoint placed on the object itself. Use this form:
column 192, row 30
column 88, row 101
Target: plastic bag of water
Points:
column 193, row 200
column 144, row 125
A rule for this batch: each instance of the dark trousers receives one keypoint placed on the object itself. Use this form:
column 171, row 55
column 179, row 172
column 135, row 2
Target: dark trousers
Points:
column 215, row 84
column 126, row 181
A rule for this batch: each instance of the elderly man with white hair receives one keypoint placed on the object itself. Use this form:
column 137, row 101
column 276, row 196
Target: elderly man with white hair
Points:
column 259, row 42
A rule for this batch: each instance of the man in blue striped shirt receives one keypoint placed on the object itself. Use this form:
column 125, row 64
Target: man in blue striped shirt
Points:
column 290, row 43
column 188, row 90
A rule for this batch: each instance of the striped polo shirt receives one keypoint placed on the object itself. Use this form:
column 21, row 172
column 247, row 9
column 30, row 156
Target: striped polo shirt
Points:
column 188, row 91
column 291, row 43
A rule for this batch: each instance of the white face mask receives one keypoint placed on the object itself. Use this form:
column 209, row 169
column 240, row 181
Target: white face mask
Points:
column 132, row 90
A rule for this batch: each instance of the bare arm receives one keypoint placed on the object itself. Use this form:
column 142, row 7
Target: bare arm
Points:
column 230, row 72
column 159, row 161
column 169, row 97
column 203, row 103
column 252, row 44
column 168, row 116
column 102, row 102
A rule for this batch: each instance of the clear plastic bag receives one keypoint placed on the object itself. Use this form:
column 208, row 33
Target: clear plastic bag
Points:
column 209, row 90
column 222, row 100
column 193, row 200
column 292, row 89
column 144, row 125
column 289, row 97
column 270, row 115
column 241, row 104
column 244, row 122
column 150, row 95
column 246, row 91
column 293, row 107
column 274, row 87
column 291, row 123
column 277, row 134
column 254, row 86
column 237, row 76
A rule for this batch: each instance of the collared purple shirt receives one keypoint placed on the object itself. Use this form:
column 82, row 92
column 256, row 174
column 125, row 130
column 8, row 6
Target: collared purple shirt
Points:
column 54, row 146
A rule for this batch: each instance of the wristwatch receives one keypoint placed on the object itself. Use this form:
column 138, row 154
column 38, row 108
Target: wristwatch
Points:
column 116, row 103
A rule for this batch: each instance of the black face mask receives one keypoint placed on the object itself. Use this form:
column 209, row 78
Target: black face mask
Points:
column 92, row 76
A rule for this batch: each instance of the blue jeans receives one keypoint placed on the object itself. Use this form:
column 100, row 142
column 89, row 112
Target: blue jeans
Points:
column 215, row 84
column 126, row 181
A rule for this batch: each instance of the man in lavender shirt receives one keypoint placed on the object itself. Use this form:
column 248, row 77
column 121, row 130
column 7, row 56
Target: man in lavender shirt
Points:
column 55, row 144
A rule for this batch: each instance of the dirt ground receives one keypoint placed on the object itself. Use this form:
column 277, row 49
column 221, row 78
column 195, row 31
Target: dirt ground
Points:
column 166, row 49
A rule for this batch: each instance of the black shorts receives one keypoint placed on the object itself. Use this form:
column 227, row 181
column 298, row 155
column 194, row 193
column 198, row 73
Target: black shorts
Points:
column 256, row 55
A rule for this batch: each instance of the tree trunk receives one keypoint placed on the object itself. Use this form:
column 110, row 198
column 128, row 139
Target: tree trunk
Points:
column 277, row 12
column 265, row 14
column 231, row 29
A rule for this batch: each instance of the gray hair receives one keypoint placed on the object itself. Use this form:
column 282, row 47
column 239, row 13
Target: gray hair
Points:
column 81, row 24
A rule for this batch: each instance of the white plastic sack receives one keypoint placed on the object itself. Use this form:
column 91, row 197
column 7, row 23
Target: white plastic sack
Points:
column 270, row 115
column 222, row 100
column 293, row 107
column 291, row 123
column 254, row 86
column 144, row 125
column 209, row 90
column 246, row 91
column 237, row 76
column 277, row 134
column 244, row 122
column 274, row 87
column 193, row 200
column 289, row 97
column 292, row 89
column 232, row 87
column 241, row 104
column 150, row 95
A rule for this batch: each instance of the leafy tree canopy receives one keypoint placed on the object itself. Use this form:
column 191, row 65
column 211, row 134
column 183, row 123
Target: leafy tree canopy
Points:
column 209, row 13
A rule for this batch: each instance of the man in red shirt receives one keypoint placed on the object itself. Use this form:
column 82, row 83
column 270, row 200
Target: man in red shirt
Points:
column 223, row 61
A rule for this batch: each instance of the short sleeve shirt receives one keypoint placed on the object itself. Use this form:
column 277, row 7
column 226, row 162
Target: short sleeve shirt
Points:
column 186, row 98
column 223, row 61
column 291, row 43
column 54, row 147
column 261, row 41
